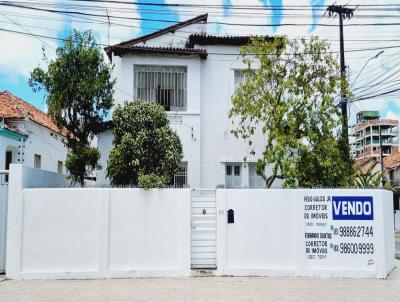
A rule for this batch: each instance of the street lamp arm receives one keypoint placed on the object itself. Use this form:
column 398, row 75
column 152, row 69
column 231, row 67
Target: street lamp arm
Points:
column 374, row 57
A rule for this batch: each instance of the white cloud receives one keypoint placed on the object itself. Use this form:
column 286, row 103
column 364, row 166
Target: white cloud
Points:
column 216, row 14
column 124, row 21
column 21, row 53
column 392, row 116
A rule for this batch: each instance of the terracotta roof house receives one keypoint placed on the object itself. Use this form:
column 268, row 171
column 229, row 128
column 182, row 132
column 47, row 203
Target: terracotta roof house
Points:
column 29, row 136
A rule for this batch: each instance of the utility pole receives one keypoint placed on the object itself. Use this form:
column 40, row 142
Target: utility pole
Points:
column 108, row 28
column 343, row 13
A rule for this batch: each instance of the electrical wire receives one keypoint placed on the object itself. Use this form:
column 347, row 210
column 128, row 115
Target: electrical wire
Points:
column 69, row 12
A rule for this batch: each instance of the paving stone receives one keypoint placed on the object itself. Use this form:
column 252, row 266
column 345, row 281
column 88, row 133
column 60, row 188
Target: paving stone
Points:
column 204, row 289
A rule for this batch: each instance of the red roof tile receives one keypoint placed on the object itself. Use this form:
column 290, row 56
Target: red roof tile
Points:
column 365, row 165
column 12, row 107
column 392, row 161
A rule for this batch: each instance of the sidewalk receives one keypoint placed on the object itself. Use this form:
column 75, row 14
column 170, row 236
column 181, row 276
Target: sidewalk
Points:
column 205, row 289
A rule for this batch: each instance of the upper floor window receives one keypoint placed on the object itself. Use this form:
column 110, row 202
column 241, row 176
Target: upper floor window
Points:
column 240, row 76
column 166, row 85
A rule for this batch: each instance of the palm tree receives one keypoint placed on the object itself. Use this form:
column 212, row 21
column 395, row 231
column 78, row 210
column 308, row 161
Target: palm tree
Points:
column 369, row 179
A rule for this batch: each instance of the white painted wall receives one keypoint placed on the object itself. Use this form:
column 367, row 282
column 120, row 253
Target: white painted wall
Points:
column 40, row 141
column 3, row 224
column 104, row 233
column 397, row 220
column 218, row 145
column 96, row 233
column 176, row 39
column 268, row 236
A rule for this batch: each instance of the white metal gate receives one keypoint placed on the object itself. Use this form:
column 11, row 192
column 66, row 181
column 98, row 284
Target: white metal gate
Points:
column 3, row 218
column 204, row 230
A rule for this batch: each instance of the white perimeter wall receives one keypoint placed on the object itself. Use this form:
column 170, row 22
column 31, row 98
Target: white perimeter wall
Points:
column 97, row 233
column 101, row 233
column 268, row 235
column 397, row 220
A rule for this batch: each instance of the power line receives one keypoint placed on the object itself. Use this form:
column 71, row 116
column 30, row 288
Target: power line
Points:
column 68, row 12
column 26, row 30
column 96, row 21
column 376, row 95
column 159, row 10
column 211, row 53
column 278, row 7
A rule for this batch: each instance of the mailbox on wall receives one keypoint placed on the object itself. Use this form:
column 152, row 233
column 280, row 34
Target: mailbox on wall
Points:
column 231, row 216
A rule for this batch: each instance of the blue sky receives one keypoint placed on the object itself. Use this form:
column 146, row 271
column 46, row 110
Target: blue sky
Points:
column 26, row 52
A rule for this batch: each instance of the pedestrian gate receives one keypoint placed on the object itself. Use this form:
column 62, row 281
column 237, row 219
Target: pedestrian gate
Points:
column 3, row 218
column 204, row 230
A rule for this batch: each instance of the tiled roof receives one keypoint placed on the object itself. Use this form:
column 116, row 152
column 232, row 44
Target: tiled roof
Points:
column 160, row 50
column 365, row 165
column 131, row 46
column 12, row 107
column 116, row 48
column 221, row 40
column 392, row 161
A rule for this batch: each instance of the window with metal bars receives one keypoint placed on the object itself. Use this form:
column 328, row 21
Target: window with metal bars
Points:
column 166, row 85
column 180, row 177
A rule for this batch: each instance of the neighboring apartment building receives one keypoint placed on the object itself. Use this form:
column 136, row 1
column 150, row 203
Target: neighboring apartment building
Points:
column 193, row 75
column 371, row 133
column 28, row 136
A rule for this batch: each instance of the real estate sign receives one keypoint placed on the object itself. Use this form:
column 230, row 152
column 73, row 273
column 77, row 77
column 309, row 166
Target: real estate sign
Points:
column 339, row 230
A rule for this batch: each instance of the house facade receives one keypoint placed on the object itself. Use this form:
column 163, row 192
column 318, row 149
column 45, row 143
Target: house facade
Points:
column 193, row 75
column 28, row 136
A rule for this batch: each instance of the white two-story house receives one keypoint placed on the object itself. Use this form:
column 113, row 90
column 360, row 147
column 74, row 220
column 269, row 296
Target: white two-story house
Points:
column 193, row 75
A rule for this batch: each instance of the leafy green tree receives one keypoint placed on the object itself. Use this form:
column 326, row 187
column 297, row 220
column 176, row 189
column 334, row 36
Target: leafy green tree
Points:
column 147, row 152
column 289, row 95
column 79, row 95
